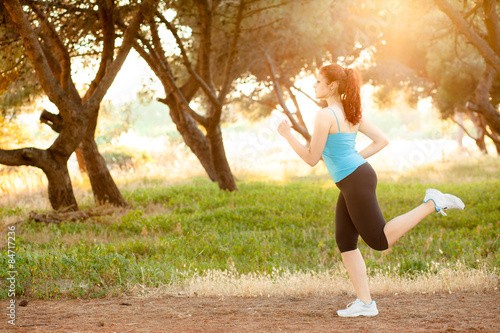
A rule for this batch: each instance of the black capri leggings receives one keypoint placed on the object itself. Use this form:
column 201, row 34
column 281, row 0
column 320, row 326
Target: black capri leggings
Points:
column 358, row 212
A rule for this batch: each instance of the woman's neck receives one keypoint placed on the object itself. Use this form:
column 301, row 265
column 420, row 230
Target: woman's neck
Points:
column 334, row 101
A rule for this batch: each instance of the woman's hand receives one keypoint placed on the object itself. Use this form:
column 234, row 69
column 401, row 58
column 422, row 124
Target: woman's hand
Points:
column 284, row 128
column 311, row 154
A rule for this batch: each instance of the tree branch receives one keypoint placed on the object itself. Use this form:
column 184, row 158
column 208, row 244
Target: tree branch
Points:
column 44, row 74
column 105, row 8
column 211, row 94
column 26, row 156
column 492, row 136
column 307, row 95
column 255, row 28
column 165, row 75
column 178, row 94
column 205, row 19
column 482, row 102
column 53, row 120
column 61, row 54
column 55, row 65
column 465, row 130
column 21, row 60
column 227, row 76
column 281, row 99
column 147, row 7
column 492, row 24
column 482, row 46
column 298, row 113
column 255, row 11
column 151, row 59
column 158, row 48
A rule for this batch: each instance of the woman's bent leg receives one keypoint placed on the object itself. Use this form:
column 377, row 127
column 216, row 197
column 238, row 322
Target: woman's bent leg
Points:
column 398, row 226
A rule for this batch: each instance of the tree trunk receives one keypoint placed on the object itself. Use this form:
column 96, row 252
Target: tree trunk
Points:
column 80, row 160
column 222, row 170
column 188, row 127
column 193, row 137
column 103, row 185
column 60, row 190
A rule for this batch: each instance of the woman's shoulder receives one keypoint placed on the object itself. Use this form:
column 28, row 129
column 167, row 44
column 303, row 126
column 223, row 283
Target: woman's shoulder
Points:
column 326, row 112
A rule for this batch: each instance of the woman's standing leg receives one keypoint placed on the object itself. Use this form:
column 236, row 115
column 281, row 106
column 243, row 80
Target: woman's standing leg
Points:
column 356, row 267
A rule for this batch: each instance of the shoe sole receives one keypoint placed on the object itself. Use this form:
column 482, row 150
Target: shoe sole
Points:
column 358, row 315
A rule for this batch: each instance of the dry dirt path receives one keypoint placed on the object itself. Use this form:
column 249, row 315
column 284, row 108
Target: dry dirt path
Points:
column 457, row 312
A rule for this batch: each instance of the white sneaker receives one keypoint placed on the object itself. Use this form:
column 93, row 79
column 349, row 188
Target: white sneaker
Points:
column 359, row 308
column 443, row 201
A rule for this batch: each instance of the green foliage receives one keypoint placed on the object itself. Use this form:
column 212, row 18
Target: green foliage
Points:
column 456, row 67
column 421, row 53
column 194, row 227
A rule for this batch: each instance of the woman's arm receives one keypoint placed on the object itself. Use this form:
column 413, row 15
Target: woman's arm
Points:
column 312, row 154
column 375, row 134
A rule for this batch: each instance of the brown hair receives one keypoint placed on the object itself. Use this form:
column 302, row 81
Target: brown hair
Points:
column 349, row 89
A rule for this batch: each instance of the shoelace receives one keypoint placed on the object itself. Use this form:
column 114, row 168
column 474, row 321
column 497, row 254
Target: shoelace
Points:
column 441, row 210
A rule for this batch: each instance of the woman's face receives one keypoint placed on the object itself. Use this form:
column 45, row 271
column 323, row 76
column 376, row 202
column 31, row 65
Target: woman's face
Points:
column 321, row 88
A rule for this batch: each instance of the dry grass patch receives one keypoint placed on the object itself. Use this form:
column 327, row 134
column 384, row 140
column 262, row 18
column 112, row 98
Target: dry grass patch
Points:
column 280, row 283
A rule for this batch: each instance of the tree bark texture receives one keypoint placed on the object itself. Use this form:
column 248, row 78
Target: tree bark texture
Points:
column 103, row 186
column 60, row 190
column 192, row 136
column 223, row 172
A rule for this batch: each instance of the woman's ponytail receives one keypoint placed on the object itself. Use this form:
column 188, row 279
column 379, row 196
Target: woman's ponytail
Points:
column 351, row 97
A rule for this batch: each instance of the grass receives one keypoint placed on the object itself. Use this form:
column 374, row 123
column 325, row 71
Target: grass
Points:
column 267, row 238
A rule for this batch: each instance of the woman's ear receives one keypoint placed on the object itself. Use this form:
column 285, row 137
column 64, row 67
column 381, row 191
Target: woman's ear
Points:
column 334, row 86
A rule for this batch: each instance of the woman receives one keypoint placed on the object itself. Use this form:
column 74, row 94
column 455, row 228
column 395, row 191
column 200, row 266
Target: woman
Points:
column 357, row 212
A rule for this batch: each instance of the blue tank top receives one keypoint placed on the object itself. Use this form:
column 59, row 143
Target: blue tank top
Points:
column 340, row 156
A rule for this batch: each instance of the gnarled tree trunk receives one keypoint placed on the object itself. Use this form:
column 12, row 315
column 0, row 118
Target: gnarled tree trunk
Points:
column 193, row 138
column 103, row 185
column 188, row 127
column 60, row 189
column 223, row 172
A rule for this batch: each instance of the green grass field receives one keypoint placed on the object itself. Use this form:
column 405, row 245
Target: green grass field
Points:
column 173, row 233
